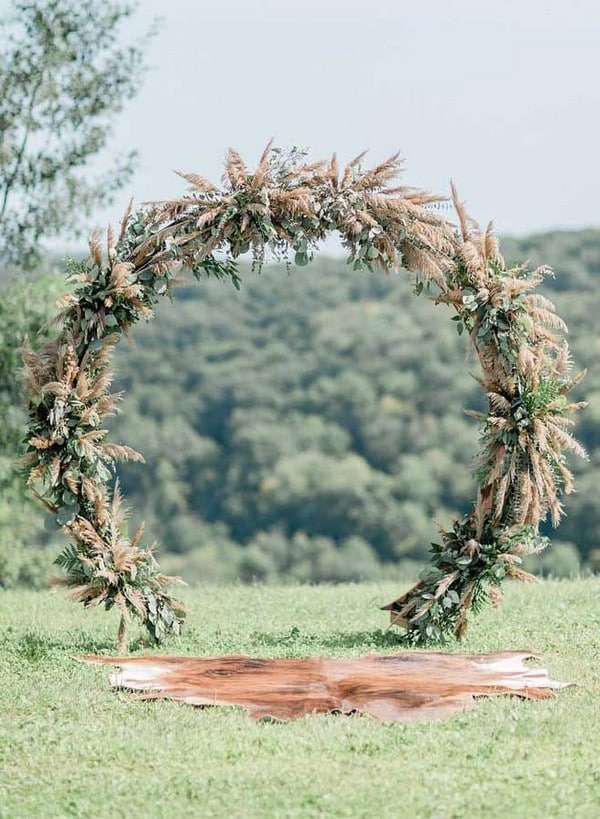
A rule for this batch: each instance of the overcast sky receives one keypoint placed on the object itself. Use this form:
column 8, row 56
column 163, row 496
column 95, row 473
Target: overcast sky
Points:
column 501, row 96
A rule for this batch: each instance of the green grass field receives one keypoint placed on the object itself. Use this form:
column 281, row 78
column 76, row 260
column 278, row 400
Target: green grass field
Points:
column 69, row 746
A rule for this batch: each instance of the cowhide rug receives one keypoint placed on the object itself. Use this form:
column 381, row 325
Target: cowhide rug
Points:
column 402, row 687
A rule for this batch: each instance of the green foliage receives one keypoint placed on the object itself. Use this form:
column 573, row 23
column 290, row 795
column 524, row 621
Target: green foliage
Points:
column 25, row 553
column 256, row 403
column 464, row 567
column 220, row 390
column 319, row 362
column 64, row 75
column 26, row 304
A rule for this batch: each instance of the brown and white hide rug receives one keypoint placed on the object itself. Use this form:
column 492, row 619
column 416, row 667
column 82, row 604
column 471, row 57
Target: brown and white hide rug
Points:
column 402, row 687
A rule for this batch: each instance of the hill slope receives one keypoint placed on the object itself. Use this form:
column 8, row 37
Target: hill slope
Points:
column 317, row 418
column 311, row 427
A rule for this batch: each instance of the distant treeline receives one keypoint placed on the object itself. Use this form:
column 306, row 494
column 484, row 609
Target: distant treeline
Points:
column 312, row 425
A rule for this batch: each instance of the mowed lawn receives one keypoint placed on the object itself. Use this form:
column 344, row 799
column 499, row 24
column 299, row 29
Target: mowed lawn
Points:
column 69, row 746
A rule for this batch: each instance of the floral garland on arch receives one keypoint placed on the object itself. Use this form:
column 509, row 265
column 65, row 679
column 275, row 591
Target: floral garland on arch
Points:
column 288, row 204
column 521, row 470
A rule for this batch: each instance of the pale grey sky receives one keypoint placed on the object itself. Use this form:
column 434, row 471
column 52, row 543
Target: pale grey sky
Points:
column 502, row 96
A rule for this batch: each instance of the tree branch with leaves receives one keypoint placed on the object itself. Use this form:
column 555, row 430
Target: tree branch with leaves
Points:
column 65, row 74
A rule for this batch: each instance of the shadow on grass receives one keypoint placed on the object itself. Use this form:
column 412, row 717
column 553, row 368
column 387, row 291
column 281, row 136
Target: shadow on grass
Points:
column 89, row 644
column 340, row 640
column 34, row 646
column 38, row 646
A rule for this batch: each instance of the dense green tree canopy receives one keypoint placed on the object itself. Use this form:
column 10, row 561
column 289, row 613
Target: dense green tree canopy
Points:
column 311, row 426
column 325, row 404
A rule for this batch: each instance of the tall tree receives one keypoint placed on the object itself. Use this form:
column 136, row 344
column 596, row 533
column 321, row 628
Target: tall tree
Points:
column 65, row 72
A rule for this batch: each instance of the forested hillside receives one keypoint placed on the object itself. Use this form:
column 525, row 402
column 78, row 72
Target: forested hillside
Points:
column 316, row 417
column 312, row 425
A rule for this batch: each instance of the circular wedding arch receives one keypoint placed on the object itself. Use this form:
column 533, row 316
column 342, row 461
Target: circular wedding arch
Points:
column 286, row 204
